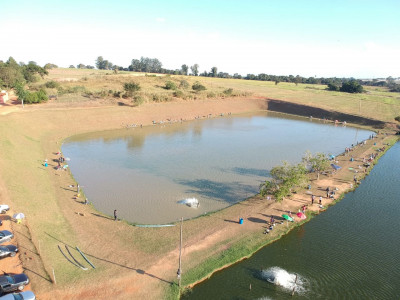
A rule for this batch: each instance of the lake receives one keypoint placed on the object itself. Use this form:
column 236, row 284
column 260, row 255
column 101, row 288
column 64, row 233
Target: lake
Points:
column 351, row 251
column 145, row 172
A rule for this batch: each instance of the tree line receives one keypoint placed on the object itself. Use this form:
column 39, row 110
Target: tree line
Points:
column 12, row 72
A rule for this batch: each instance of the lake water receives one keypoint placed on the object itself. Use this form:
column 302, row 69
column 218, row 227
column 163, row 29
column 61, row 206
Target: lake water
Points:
column 145, row 172
column 351, row 251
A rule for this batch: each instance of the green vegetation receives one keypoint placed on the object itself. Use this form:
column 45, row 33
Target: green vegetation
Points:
column 285, row 178
column 131, row 87
column 352, row 87
column 30, row 97
column 348, row 87
column 12, row 73
column 170, row 85
column 318, row 163
column 197, row 86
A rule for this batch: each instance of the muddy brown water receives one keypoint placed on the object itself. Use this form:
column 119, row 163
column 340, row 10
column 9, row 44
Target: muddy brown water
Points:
column 145, row 172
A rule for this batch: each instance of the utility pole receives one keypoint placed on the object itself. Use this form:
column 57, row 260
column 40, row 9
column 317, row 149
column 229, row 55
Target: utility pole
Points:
column 180, row 257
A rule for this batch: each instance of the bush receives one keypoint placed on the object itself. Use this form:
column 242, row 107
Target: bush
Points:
column 138, row 100
column 184, row 84
column 131, row 88
column 351, row 87
column 117, row 94
column 397, row 118
column 52, row 84
column 197, row 86
column 36, row 97
column 333, row 87
column 228, row 92
column 170, row 85
column 211, row 95
column 178, row 94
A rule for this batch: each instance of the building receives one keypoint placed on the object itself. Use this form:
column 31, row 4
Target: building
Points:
column 3, row 97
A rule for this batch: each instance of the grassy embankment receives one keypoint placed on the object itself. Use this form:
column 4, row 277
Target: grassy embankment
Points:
column 91, row 85
column 36, row 133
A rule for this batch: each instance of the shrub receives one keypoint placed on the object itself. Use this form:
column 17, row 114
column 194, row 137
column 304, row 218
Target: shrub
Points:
column 184, row 84
column 138, row 100
column 117, row 94
column 52, row 84
column 170, row 85
column 397, row 118
column 351, row 87
column 228, row 92
column 333, row 87
column 197, row 86
column 211, row 95
column 36, row 97
column 179, row 94
column 131, row 87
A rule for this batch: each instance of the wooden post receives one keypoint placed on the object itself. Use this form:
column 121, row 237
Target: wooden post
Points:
column 54, row 276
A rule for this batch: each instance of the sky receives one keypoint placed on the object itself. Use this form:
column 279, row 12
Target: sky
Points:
column 335, row 38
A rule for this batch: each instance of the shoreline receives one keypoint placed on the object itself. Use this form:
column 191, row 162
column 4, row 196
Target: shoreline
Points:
column 310, row 215
column 142, row 260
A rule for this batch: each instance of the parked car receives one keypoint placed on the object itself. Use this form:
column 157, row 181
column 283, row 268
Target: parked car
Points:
column 5, row 236
column 4, row 208
column 8, row 250
column 27, row 295
column 11, row 283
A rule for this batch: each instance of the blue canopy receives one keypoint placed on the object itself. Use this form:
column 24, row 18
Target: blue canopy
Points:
column 336, row 167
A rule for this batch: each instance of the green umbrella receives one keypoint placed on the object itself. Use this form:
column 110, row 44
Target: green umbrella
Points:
column 286, row 217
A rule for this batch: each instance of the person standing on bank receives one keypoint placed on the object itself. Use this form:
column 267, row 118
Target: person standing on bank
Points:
column 115, row 215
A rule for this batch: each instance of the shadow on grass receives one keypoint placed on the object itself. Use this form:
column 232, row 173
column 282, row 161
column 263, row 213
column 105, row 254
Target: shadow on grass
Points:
column 29, row 270
column 100, row 216
column 74, row 190
column 231, row 221
column 256, row 220
column 139, row 271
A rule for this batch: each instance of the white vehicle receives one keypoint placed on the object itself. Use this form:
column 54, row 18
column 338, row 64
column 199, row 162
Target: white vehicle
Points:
column 4, row 208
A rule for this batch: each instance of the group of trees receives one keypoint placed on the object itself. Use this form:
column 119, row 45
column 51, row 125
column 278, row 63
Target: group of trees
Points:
column 153, row 65
column 351, row 86
column 288, row 177
column 12, row 73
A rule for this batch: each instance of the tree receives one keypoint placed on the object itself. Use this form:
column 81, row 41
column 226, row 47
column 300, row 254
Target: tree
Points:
column 81, row 66
column 318, row 162
column 284, row 179
column 195, row 69
column 185, row 69
column 214, row 71
column 351, row 87
column 100, row 63
column 71, row 66
column 49, row 66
